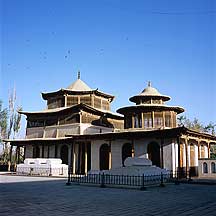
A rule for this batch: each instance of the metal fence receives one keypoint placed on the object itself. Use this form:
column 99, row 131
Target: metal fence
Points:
column 42, row 171
column 141, row 182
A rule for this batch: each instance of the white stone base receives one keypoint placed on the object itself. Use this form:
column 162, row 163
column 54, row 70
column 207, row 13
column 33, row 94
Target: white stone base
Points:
column 42, row 167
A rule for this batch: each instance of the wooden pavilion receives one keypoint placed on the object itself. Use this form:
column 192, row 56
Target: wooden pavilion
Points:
column 79, row 127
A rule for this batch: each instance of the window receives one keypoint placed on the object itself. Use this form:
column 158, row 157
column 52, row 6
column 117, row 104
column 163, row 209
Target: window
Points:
column 147, row 120
column 137, row 121
column 205, row 167
column 156, row 101
column 35, row 123
column 158, row 119
column 71, row 100
column 55, row 103
column 128, row 123
column 85, row 100
column 146, row 101
column 97, row 102
column 105, row 105
column 167, row 119
column 213, row 170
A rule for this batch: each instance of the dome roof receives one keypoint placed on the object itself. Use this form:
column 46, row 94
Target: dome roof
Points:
column 79, row 85
column 149, row 92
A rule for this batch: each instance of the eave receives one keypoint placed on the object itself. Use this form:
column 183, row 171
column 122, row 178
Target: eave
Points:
column 148, row 108
column 62, row 92
column 78, row 107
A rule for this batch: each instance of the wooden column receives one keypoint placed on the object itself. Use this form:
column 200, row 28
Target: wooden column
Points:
column 142, row 117
column 209, row 152
column 57, row 128
column 79, row 157
column 171, row 115
column 161, row 153
column 198, row 143
column 110, row 155
column 86, row 159
column 42, row 151
column 65, row 100
column 74, row 159
column 18, row 161
column 48, row 151
column 163, row 119
column 69, row 157
column 178, row 141
column 153, row 119
column 186, row 156
column 132, row 119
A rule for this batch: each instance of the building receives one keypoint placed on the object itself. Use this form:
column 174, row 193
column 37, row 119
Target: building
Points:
column 79, row 127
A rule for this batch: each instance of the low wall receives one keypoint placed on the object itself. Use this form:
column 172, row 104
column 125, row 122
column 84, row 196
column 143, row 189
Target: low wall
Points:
column 207, row 168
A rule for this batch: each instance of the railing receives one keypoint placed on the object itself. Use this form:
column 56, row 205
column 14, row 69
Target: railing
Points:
column 42, row 171
column 142, row 182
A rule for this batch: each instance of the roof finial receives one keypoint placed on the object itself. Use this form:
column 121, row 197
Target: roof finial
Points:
column 149, row 83
column 78, row 74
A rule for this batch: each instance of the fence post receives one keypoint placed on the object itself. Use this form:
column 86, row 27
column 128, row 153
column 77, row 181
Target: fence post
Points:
column 102, row 181
column 162, row 181
column 177, row 179
column 69, row 175
column 143, row 183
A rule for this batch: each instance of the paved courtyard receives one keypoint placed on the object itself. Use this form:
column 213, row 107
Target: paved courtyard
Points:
column 44, row 196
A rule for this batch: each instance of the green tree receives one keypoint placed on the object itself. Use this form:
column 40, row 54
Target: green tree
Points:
column 196, row 125
column 3, row 122
column 210, row 128
column 11, row 123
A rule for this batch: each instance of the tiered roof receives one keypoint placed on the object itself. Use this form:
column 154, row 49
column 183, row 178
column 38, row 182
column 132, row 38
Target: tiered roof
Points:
column 78, row 87
column 149, row 93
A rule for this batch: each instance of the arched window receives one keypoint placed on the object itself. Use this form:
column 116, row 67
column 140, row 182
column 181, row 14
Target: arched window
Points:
column 64, row 154
column 205, row 167
column 213, row 169
column 104, row 157
column 126, row 151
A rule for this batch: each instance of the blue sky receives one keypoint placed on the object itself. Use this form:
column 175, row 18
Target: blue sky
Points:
column 117, row 45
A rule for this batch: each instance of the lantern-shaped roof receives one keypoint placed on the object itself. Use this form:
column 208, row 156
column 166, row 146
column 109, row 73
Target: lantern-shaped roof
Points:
column 149, row 93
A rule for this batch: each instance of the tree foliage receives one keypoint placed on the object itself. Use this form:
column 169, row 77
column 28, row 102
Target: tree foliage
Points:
column 3, row 120
column 10, row 120
column 196, row 125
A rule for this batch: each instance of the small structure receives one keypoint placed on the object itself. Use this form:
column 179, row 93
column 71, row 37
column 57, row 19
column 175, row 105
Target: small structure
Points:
column 207, row 168
column 42, row 166
column 137, row 166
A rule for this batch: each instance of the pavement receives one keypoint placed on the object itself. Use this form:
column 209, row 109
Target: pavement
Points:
column 21, row 195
